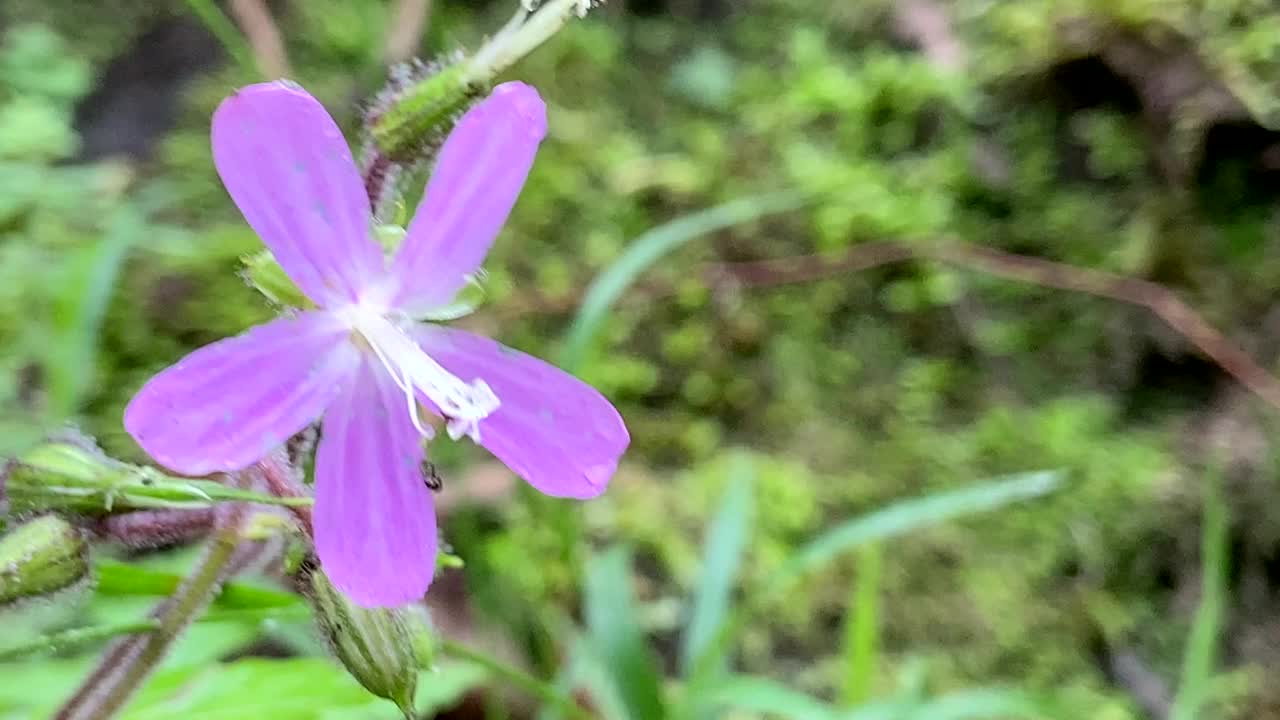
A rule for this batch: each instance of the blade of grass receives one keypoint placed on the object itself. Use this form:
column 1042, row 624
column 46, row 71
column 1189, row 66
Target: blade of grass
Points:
column 972, row 704
column 726, row 543
column 115, row 578
column 71, row 357
column 65, row 640
column 227, row 33
column 862, row 629
column 1200, row 659
column 614, row 632
column 903, row 517
column 763, row 696
column 544, row 691
column 896, row 520
column 650, row 247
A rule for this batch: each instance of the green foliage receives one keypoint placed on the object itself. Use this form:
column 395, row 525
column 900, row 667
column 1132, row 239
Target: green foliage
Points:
column 851, row 391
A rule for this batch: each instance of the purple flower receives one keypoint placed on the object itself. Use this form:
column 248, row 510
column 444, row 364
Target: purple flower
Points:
column 360, row 359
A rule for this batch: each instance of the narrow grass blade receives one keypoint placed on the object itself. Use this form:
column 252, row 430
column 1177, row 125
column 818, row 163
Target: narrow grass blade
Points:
column 71, row 357
column 862, row 628
column 973, row 704
column 726, row 543
column 614, row 632
column 762, row 696
column 650, row 247
column 1200, row 658
column 910, row 515
column 898, row 519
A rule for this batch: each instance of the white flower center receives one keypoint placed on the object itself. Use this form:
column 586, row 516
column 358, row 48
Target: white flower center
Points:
column 463, row 404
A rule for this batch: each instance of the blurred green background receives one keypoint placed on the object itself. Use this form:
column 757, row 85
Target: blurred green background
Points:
column 1136, row 137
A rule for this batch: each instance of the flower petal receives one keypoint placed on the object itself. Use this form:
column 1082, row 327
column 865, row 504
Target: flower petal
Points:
column 228, row 404
column 375, row 523
column 286, row 165
column 555, row 431
column 479, row 174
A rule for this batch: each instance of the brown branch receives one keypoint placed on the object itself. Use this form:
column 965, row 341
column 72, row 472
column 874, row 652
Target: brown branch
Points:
column 1161, row 301
column 263, row 35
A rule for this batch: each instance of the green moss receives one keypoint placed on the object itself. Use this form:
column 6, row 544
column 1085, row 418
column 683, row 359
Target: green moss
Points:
column 853, row 390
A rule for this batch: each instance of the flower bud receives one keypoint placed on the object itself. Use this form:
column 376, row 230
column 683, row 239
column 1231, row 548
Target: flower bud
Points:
column 71, row 475
column 41, row 557
column 267, row 277
column 380, row 647
column 264, row 273
column 416, row 111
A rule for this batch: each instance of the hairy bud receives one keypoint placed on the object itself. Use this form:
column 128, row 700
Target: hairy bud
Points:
column 70, row 475
column 266, row 276
column 415, row 112
column 382, row 648
column 41, row 557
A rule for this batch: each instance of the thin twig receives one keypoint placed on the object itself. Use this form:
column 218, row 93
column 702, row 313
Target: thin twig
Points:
column 1161, row 301
column 264, row 37
column 404, row 34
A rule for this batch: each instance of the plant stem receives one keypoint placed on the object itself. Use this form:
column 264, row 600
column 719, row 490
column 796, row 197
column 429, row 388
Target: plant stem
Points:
column 542, row 690
column 281, row 479
column 74, row 638
column 225, row 31
column 128, row 662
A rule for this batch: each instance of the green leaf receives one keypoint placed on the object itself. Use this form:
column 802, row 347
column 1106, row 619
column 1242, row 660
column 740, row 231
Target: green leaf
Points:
column 1200, row 658
column 221, row 27
column 71, row 358
column 896, row 520
column 726, row 543
column 116, row 578
column 862, row 628
column 765, row 696
column 615, row 636
column 292, row 689
column 650, row 247
column 910, row 515
column 974, row 704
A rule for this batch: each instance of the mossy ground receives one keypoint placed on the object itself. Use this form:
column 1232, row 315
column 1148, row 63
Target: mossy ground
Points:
column 1049, row 137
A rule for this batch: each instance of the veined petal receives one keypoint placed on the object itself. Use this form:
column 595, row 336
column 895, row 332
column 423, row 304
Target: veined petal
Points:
column 228, row 404
column 289, row 170
column 479, row 174
column 375, row 523
column 555, row 431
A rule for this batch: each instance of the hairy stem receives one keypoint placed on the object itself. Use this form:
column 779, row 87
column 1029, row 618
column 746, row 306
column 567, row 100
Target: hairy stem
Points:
column 128, row 662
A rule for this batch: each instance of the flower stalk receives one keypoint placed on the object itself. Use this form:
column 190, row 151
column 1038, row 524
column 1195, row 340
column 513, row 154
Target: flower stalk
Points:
column 129, row 661
column 67, row 476
column 418, row 116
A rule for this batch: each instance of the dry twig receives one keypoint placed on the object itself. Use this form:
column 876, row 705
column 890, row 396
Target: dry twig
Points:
column 264, row 36
column 404, row 34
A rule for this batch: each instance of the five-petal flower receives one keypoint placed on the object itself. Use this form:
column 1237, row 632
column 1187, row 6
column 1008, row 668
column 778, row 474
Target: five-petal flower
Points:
column 360, row 359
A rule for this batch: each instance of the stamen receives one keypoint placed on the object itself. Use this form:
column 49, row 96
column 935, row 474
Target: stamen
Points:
column 463, row 404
